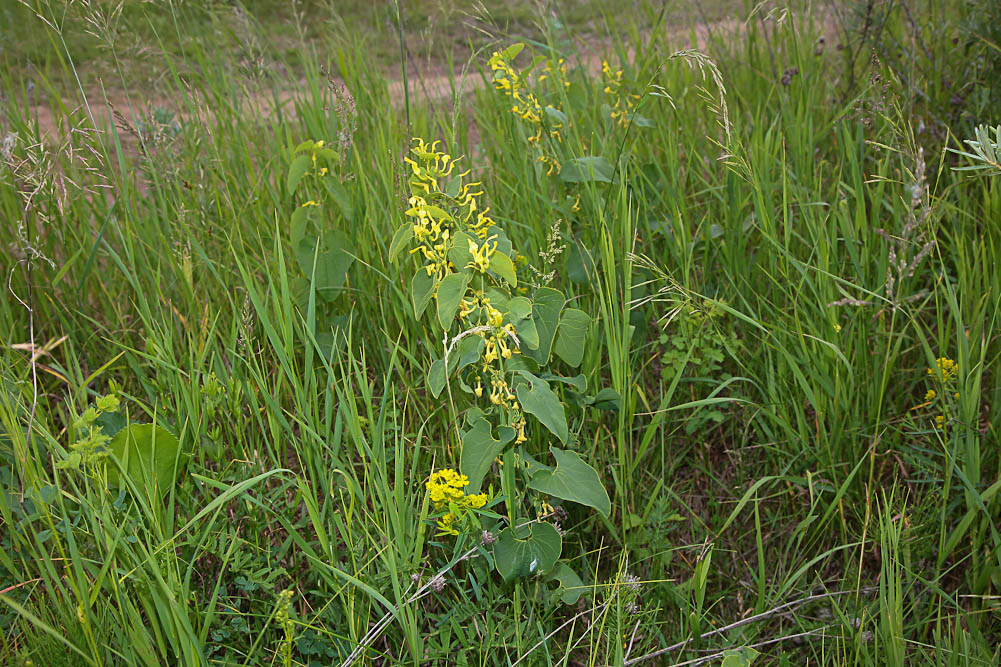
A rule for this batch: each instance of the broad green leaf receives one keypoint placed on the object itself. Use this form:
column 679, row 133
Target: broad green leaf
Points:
column 450, row 291
column 571, row 586
column 298, row 224
column 546, row 307
column 742, row 657
column 556, row 115
column 421, row 291
column 296, row 170
column 512, row 51
column 580, row 265
column 332, row 261
column 459, row 252
column 519, row 313
column 586, row 169
column 401, row 238
column 538, row 399
column 437, row 377
column 571, row 336
column 572, row 480
column 469, row 350
column 578, row 382
column 479, row 449
column 502, row 265
column 533, row 550
column 148, row 454
column 437, row 213
column 606, row 399
column 341, row 196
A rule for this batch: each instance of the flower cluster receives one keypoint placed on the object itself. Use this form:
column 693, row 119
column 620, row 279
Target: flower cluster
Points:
column 944, row 372
column 621, row 103
column 429, row 204
column 526, row 105
column 945, row 369
column 445, row 488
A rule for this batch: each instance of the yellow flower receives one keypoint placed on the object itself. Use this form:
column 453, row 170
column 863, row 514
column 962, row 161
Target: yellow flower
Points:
column 930, row 395
column 940, row 421
column 945, row 368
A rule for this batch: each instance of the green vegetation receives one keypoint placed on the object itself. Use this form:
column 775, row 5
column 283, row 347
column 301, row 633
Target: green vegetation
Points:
column 613, row 354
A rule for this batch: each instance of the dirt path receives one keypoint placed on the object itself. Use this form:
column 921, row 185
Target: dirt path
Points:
column 430, row 88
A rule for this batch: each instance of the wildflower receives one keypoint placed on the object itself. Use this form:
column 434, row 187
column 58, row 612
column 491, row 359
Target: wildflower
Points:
column 930, row 395
column 309, row 203
column 940, row 421
column 445, row 489
column 945, row 369
column 481, row 254
column 520, row 429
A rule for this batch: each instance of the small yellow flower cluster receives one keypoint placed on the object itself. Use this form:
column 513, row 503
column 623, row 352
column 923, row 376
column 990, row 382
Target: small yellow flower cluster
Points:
column 622, row 103
column 445, row 489
column 945, row 369
column 433, row 226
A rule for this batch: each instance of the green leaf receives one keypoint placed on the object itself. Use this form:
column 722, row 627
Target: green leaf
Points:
column 148, row 455
column 546, row 307
column 606, row 399
column 571, row 336
column 512, row 51
column 296, row 171
column 437, row 377
column 571, row 586
column 450, row 291
column 572, row 480
column 332, row 261
column 578, row 382
column 298, row 224
column 642, row 121
column 742, row 657
column 400, row 240
column 538, row 399
column 580, row 265
column 470, row 348
column 459, row 253
column 586, row 169
column 479, row 449
column 556, row 115
column 502, row 265
column 519, row 313
column 421, row 291
column 341, row 196
column 533, row 550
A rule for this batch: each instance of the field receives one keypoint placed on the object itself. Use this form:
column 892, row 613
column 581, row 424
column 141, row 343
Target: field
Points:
column 500, row 333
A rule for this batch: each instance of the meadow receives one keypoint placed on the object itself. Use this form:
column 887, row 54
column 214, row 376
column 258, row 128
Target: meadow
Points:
column 543, row 334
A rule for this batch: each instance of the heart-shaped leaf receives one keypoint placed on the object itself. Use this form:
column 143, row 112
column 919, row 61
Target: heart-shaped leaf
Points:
column 572, row 480
column 571, row 336
column 539, row 400
column 533, row 550
column 479, row 449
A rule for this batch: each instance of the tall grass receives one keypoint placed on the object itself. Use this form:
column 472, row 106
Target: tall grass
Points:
column 771, row 296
